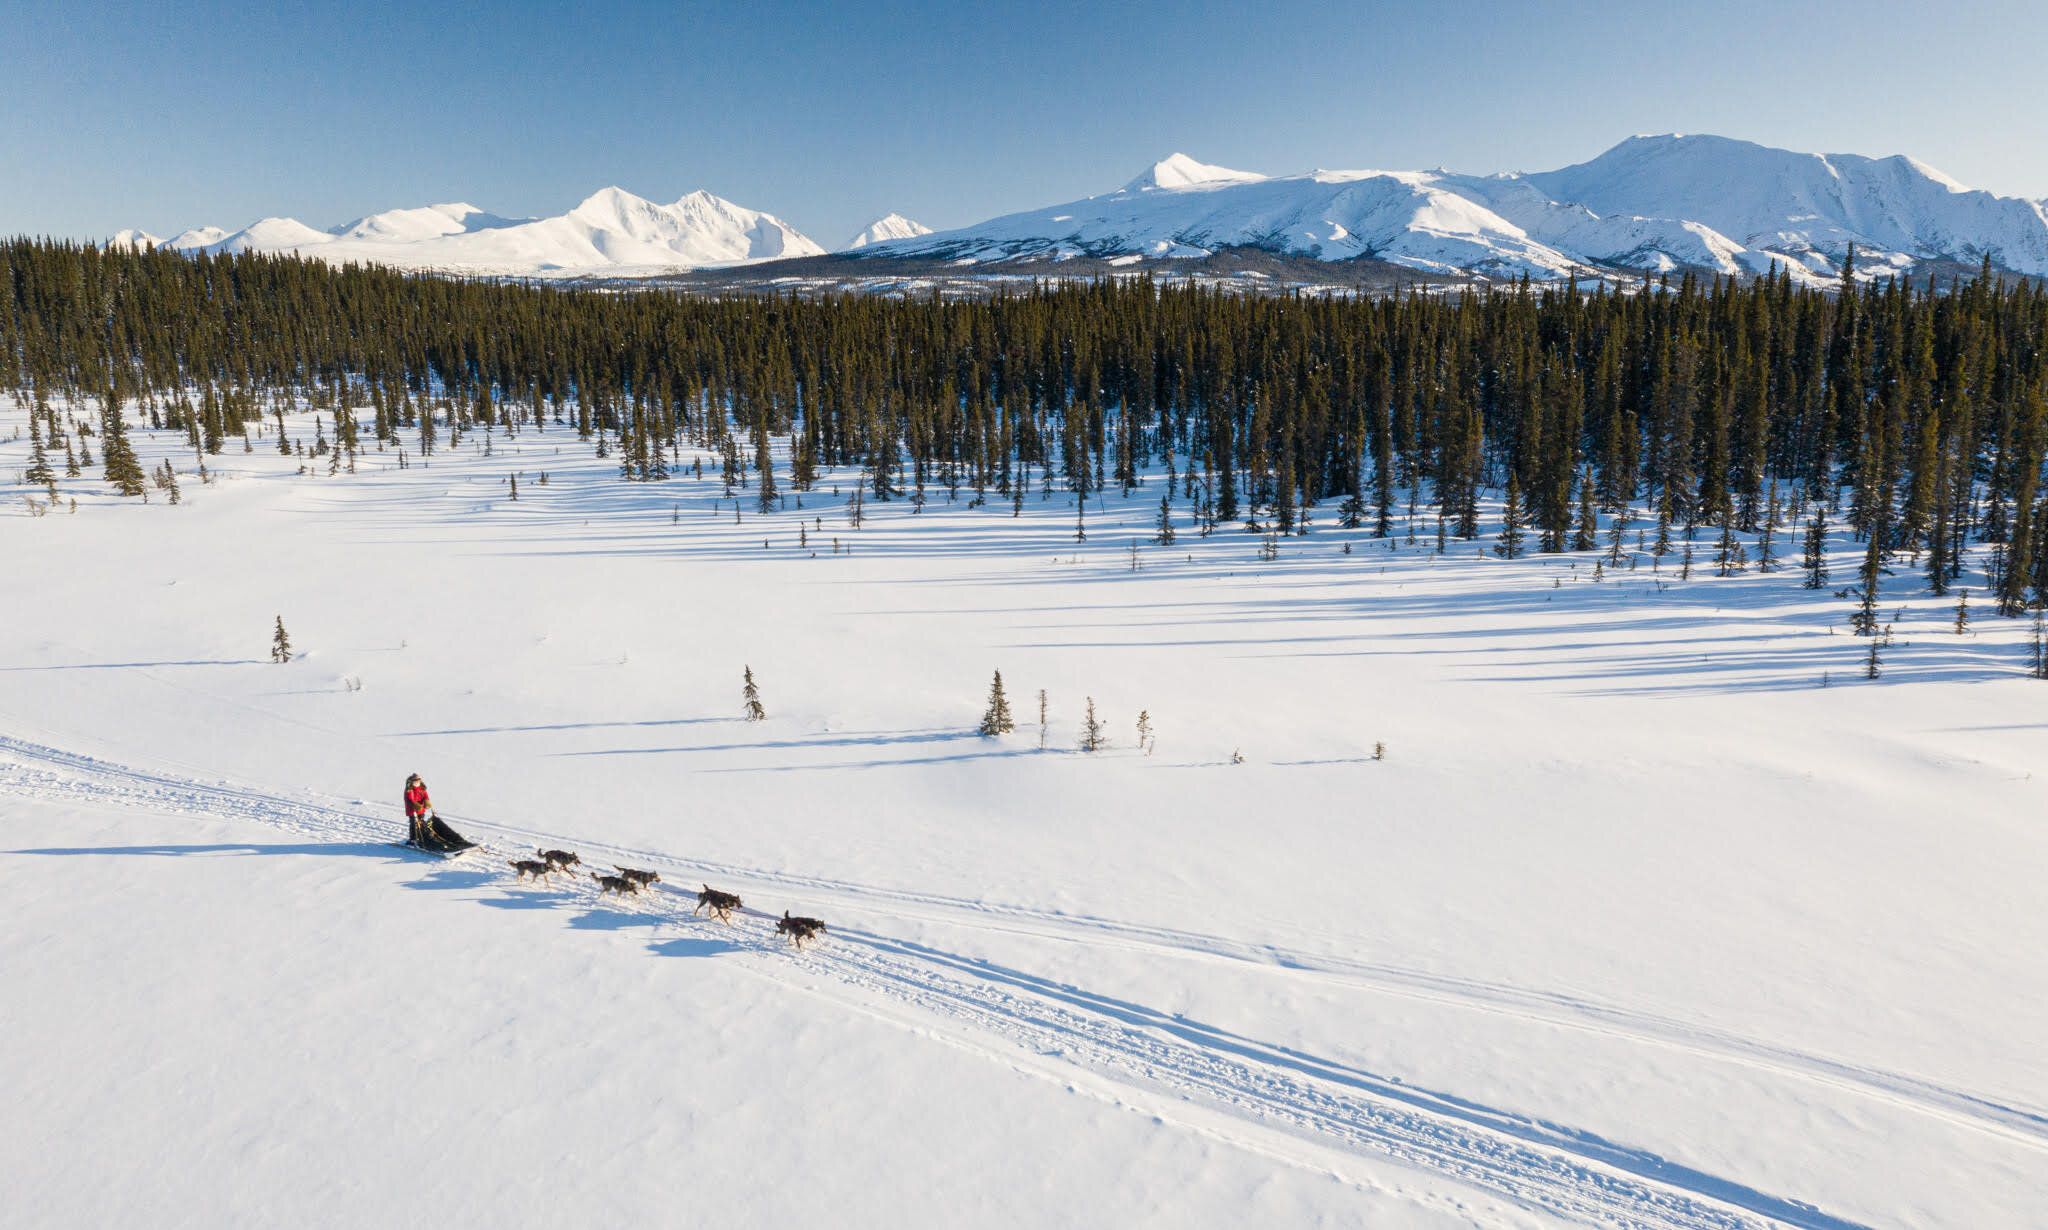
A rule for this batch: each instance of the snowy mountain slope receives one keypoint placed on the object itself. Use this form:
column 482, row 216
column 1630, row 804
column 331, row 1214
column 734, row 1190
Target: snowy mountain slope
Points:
column 273, row 235
column 427, row 222
column 1637, row 925
column 1407, row 218
column 883, row 229
column 1652, row 203
column 195, row 238
column 132, row 238
column 1177, row 170
column 1808, row 207
column 610, row 231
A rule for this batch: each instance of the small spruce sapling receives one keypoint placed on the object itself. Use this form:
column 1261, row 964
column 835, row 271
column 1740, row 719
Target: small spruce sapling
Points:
column 996, row 721
column 752, row 696
column 1041, row 719
column 1962, row 611
column 1093, row 736
column 1145, row 731
column 280, row 644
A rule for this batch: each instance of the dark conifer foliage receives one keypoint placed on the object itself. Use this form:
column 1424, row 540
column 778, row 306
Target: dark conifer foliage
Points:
column 1923, row 407
column 280, row 644
column 997, row 720
column 750, row 697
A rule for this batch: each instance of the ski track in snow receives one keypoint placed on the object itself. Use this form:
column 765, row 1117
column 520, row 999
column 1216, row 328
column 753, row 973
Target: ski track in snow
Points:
column 1567, row 1173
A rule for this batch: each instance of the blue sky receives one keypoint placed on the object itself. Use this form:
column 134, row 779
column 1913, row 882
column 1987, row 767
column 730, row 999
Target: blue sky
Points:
column 169, row 116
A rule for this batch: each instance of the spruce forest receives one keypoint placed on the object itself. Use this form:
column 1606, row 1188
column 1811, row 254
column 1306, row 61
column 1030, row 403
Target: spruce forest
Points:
column 1913, row 412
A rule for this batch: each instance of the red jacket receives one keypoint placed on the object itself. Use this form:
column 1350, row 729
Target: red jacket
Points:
column 416, row 802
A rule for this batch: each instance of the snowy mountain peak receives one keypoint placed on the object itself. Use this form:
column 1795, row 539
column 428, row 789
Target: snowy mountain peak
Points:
column 197, row 237
column 884, row 229
column 133, row 238
column 1652, row 202
column 425, row 222
column 1180, row 171
column 610, row 231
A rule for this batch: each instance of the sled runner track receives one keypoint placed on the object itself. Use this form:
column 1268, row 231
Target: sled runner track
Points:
column 115, row 783
column 1540, row 1165
column 2022, row 1125
column 35, row 769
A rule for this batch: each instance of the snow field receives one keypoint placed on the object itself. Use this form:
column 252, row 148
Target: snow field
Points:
column 1637, row 924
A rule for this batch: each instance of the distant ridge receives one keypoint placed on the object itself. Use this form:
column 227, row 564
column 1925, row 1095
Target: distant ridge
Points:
column 1654, row 204
column 612, row 230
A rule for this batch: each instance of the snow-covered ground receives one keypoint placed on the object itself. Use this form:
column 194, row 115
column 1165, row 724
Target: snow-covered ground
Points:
column 1635, row 924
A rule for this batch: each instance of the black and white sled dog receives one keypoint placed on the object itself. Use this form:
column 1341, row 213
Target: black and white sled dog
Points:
column 799, row 928
column 720, row 904
column 531, row 867
column 642, row 878
column 559, row 860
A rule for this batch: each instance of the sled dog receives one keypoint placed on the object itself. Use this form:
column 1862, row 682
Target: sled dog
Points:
column 614, row 884
column 720, row 904
column 799, row 929
column 559, row 860
column 642, row 878
column 531, row 867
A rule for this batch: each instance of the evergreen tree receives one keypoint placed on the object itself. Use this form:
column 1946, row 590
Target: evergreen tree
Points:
column 751, row 695
column 996, row 721
column 280, row 644
column 1510, row 545
column 1093, row 737
column 1587, row 536
column 1767, row 535
column 1962, row 611
column 123, row 470
column 1729, row 556
column 1145, row 731
column 1815, row 561
column 39, row 473
column 1164, row 529
column 1864, row 621
column 1041, row 719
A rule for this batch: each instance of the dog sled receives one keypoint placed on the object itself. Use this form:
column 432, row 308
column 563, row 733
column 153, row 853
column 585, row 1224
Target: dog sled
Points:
column 431, row 835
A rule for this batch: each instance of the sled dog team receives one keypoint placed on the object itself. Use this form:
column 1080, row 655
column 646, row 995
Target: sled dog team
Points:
column 428, row 832
column 630, row 881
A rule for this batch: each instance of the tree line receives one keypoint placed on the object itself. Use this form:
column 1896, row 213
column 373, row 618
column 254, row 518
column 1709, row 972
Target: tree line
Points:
column 1912, row 412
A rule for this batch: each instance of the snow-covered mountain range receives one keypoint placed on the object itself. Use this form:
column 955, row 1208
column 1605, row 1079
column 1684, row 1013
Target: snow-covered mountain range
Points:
column 611, row 231
column 1653, row 203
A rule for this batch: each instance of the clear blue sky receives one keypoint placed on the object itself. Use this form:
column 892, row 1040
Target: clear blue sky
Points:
column 169, row 116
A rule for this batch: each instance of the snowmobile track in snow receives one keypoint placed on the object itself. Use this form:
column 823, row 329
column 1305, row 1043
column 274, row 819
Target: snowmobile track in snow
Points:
column 1566, row 1173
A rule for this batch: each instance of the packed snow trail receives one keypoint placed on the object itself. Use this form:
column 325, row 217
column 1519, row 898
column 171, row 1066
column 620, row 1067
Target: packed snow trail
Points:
column 1540, row 1165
